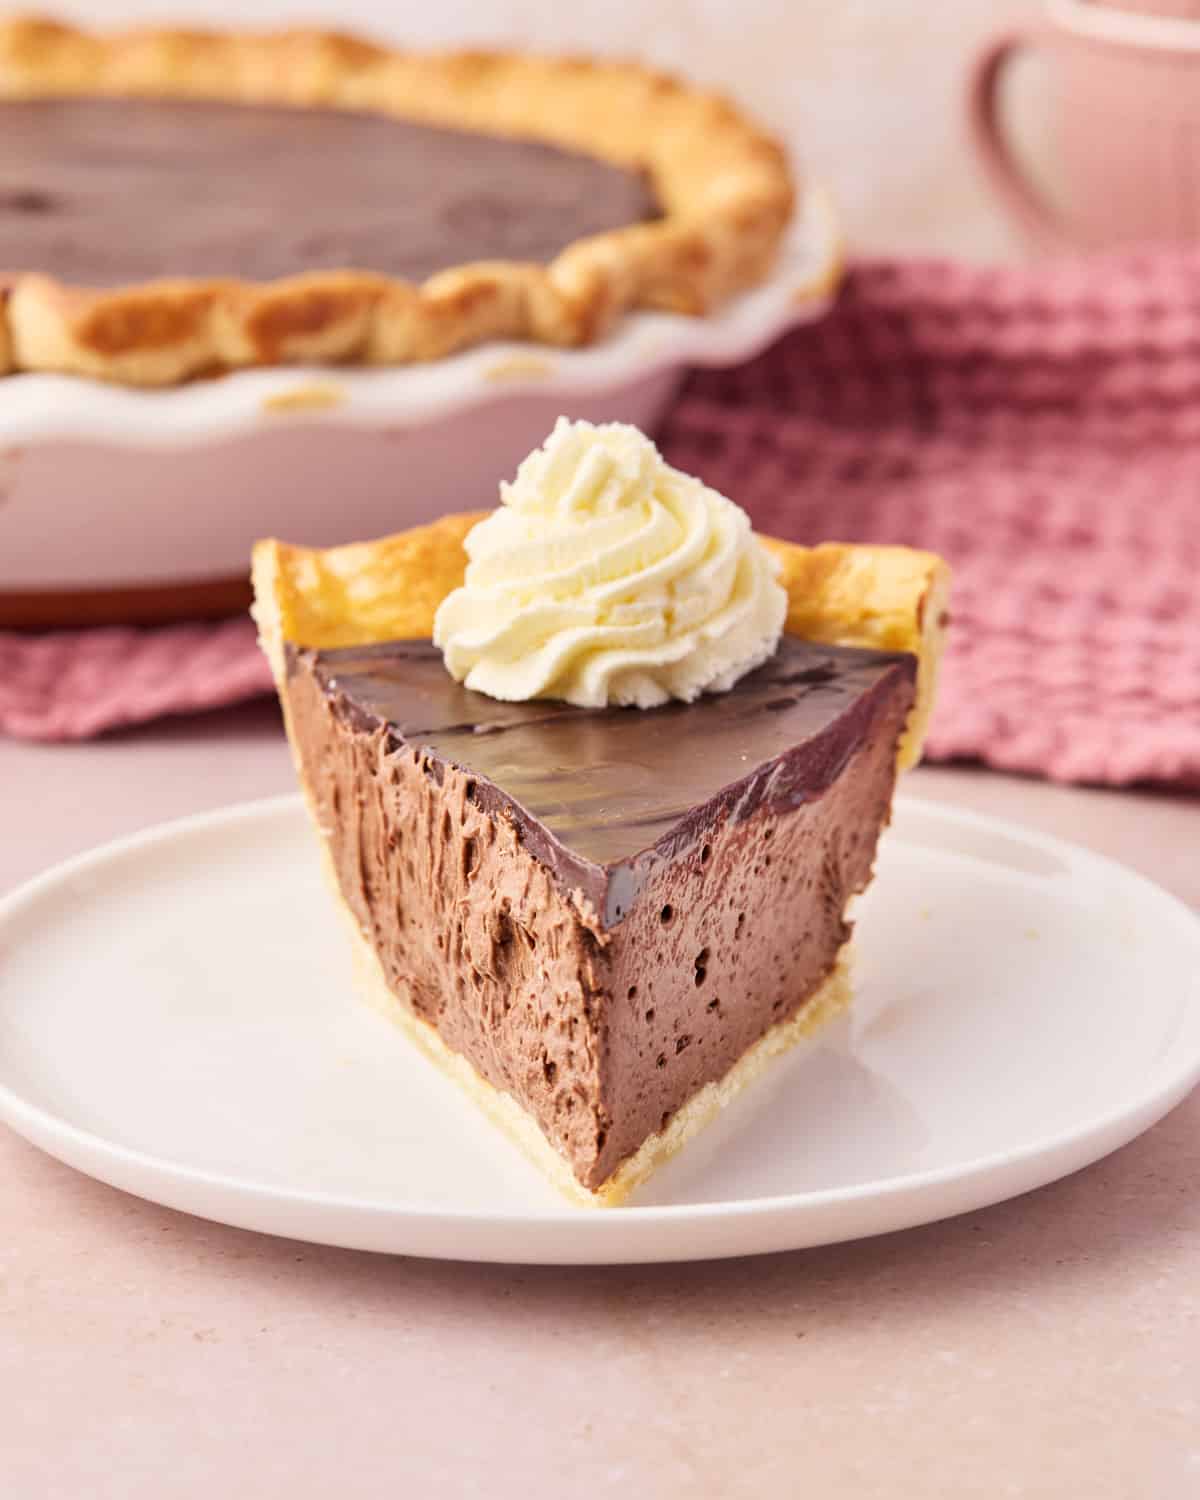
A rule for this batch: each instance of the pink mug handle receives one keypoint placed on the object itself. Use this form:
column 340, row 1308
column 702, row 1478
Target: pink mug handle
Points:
column 1007, row 177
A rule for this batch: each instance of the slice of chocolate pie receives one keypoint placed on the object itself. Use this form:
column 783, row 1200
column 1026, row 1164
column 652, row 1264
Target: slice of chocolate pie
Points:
column 597, row 843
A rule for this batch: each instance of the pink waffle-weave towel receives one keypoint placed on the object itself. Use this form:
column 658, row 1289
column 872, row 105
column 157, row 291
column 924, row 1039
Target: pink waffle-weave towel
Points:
column 1039, row 427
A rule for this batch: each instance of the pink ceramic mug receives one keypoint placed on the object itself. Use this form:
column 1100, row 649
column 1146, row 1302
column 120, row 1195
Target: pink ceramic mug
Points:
column 1127, row 123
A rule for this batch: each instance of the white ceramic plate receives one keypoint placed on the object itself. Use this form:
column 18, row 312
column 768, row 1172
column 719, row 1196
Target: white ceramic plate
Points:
column 177, row 1018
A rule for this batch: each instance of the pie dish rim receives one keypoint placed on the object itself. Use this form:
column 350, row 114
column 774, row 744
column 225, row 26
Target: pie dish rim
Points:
column 43, row 406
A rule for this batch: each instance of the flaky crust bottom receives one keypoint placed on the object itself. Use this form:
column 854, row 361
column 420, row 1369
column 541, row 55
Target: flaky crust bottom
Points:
column 725, row 188
column 882, row 598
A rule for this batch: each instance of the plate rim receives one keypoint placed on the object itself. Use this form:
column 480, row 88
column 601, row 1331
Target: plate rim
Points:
column 1172, row 1081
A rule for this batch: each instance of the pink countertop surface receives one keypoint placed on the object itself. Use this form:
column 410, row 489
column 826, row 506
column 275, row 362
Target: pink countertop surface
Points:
column 1046, row 1347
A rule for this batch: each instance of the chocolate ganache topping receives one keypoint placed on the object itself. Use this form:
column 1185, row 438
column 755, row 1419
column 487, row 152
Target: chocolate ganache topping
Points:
column 104, row 192
column 602, row 796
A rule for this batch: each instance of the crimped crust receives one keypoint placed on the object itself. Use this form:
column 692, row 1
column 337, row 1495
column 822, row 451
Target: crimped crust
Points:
column 724, row 186
column 884, row 598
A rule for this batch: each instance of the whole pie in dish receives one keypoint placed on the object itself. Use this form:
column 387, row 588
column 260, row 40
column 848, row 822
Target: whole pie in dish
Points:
column 178, row 203
column 602, row 920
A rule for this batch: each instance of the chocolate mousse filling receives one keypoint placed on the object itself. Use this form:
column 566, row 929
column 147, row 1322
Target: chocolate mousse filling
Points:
column 601, row 910
column 104, row 192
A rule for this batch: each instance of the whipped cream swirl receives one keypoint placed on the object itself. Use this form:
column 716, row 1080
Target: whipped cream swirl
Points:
column 608, row 577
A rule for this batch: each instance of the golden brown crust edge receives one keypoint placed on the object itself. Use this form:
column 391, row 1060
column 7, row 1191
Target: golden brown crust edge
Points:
column 884, row 598
column 725, row 187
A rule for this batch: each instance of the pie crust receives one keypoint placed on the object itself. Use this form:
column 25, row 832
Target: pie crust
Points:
column 725, row 188
column 881, row 598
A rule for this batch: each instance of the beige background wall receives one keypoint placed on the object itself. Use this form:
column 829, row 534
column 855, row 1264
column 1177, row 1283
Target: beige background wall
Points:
column 869, row 92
